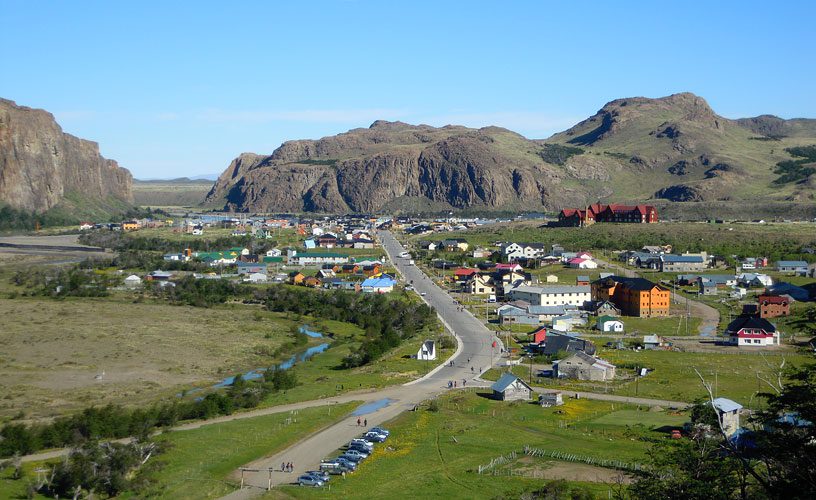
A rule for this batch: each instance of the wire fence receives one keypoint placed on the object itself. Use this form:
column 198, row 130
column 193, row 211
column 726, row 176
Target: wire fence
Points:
column 493, row 466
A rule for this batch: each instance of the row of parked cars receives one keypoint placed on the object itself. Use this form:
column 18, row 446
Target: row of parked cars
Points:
column 356, row 451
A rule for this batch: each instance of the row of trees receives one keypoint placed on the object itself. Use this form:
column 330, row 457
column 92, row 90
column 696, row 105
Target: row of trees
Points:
column 387, row 321
column 115, row 421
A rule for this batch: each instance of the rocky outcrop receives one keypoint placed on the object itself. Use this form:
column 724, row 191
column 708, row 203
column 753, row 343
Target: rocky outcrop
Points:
column 40, row 164
column 364, row 170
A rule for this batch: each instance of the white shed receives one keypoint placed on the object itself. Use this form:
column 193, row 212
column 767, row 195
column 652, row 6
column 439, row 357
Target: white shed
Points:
column 133, row 281
column 427, row 352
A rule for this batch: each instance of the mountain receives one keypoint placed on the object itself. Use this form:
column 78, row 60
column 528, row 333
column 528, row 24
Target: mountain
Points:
column 393, row 165
column 42, row 168
column 674, row 148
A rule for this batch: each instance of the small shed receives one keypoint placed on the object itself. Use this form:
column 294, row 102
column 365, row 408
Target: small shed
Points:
column 133, row 281
column 549, row 399
column 551, row 278
column 509, row 388
column 427, row 352
column 728, row 412
column 609, row 324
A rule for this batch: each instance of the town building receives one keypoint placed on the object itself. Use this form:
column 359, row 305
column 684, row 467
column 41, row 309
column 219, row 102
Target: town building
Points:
column 633, row 296
column 582, row 366
column 641, row 214
column 752, row 331
column 772, row 306
column 552, row 295
column 728, row 412
column 682, row 263
column 427, row 352
column 796, row 267
column 509, row 388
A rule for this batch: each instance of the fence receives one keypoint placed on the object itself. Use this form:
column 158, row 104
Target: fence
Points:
column 490, row 468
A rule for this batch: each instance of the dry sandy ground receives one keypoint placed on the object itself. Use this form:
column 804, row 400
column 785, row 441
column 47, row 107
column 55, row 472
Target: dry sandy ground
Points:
column 52, row 351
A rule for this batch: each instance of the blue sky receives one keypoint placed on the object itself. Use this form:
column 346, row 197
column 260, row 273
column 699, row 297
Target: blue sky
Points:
column 180, row 88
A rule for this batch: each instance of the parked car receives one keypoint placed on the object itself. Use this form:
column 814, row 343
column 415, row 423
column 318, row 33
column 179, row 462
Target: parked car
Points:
column 354, row 455
column 375, row 437
column 320, row 474
column 309, row 480
column 363, row 442
column 380, row 430
column 360, row 448
column 333, row 467
column 348, row 465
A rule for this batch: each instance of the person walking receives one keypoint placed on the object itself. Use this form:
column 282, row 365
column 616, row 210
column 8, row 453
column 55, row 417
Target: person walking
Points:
column 283, row 466
column 358, row 421
column 365, row 422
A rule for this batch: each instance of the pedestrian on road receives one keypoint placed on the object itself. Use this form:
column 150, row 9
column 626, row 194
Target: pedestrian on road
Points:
column 365, row 423
column 454, row 384
column 464, row 382
column 471, row 369
column 358, row 421
column 291, row 467
column 283, row 466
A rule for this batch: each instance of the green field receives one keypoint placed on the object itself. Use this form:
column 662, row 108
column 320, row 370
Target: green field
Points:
column 199, row 461
column 437, row 454
column 734, row 376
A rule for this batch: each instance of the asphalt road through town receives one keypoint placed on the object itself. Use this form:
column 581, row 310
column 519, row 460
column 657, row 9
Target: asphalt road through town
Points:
column 478, row 348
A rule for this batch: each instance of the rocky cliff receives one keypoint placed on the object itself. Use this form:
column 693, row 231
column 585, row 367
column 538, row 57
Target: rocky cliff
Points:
column 674, row 147
column 392, row 163
column 40, row 164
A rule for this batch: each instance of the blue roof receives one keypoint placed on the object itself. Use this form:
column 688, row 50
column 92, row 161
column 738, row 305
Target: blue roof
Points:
column 726, row 405
column 505, row 381
column 792, row 263
column 682, row 258
column 378, row 282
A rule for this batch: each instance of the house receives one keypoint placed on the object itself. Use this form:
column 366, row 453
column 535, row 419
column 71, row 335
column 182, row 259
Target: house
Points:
column 427, row 352
column 363, row 243
column 556, row 342
column 582, row 263
column 609, row 324
column 256, row 278
column 428, row 245
column 681, row 263
column 510, row 388
column 133, row 281
column 796, row 267
column 582, row 366
column 273, row 253
column 316, row 258
column 795, row 292
column 310, row 244
column 515, row 251
column 537, row 336
column 644, row 214
column 249, row 268
column 311, row 281
column 651, row 342
column 728, row 412
column 84, row 226
column 296, row 278
column 480, row 284
column 552, row 295
column 603, row 308
column 464, row 274
column 159, row 276
column 567, row 322
column 480, row 253
column 633, row 296
column 752, row 331
column 551, row 278
column 772, row 306
column 509, row 315
column 130, row 225
column 455, row 245
column 707, row 287
column 754, row 280
column 549, row 399
column 508, row 268
column 382, row 284
column 582, row 280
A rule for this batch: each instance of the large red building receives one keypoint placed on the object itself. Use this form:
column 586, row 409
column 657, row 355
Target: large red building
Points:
column 636, row 214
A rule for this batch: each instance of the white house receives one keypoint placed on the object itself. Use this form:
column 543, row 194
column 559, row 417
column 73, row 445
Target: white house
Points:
column 427, row 352
column 609, row 324
column 574, row 295
column 273, row 253
column 515, row 251
column 256, row 278
column 752, row 331
column 582, row 263
column 133, row 281
column 509, row 387
column 551, row 278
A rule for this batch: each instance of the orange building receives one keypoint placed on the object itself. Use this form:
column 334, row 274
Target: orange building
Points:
column 633, row 296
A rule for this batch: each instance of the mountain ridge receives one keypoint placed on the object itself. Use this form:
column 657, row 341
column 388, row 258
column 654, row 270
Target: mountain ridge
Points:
column 674, row 147
column 42, row 167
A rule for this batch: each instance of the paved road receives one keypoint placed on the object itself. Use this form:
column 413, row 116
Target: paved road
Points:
column 476, row 350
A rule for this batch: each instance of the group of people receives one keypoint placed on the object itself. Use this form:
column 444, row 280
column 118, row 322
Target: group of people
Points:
column 455, row 384
column 363, row 422
column 287, row 467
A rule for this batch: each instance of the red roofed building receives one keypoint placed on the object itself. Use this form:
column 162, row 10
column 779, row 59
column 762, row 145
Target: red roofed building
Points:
column 771, row 306
column 637, row 214
column 463, row 273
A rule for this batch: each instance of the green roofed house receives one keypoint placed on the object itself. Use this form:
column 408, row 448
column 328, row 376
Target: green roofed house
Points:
column 272, row 260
